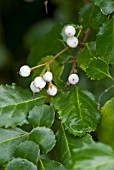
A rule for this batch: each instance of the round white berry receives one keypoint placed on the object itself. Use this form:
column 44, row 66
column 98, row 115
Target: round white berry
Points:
column 52, row 91
column 48, row 76
column 25, row 71
column 72, row 42
column 39, row 82
column 73, row 79
column 70, row 30
column 33, row 88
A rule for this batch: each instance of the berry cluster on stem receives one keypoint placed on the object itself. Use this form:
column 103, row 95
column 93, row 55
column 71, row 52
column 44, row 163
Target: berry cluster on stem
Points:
column 46, row 78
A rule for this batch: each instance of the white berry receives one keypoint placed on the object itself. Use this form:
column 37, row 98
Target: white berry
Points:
column 52, row 91
column 48, row 76
column 73, row 79
column 25, row 71
column 70, row 30
column 33, row 88
column 39, row 82
column 72, row 42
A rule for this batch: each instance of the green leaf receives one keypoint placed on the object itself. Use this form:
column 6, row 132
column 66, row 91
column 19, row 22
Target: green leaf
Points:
column 49, row 44
column 77, row 111
column 84, row 56
column 46, row 164
column 20, row 164
column 105, row 130
column 42, row 115
column 87, row 16
column 15, row 105
column 28, row 150
column 107, row 7
column 38, row 30
column 95, row 156
column 98, row 69
column 44, row 137
column 66, row 143
column 9, row 139
column 105, row 41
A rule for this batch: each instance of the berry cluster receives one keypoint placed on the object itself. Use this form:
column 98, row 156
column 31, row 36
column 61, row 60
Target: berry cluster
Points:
column 72, row 41
column 39, row 82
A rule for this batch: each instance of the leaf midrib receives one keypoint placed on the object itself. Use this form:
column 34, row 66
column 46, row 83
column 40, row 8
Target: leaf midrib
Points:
column 78, row 102
column 19, row 103
column 16, row 137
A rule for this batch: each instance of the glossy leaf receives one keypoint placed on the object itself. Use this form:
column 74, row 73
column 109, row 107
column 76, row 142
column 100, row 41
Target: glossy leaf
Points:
column 28, row 150
column 66, row 143
column 44, row 137
column 42, row 115
column 95, row 156
column 15, row 105
column 105, row 41
column 105, row 130
column 9, row 139
column 77, row 111
column 87, row 16
column 46, row 164
column 107, row 7
column 84, row 56
column 20, row 164
column 98, row 69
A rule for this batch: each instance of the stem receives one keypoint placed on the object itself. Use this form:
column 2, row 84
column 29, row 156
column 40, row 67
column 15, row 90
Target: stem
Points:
column 79, row 31
column 43, row 71
column 105, row 91
column 57, row 55
column 40, row 65
column 50, row 61
column 46, row 8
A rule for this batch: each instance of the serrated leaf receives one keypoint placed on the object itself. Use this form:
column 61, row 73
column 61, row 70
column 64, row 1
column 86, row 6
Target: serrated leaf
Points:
column 105, row 41
column 98, row 69
column 77, row 111
column 66, row 143
column 28, row 150
column 20, row 164
column 9, row 139
column 44, row 137
column 46, row 164
column 107, row 7
column 105, row 130
column 49, row 44
column 42, row 115
column 15, row 105
column 95, row 156
column 84, row 56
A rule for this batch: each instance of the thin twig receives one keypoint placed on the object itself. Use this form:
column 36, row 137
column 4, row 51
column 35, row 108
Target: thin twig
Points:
column 70, row 61
column 50, row 61
column 40, row 65
column 105, row 91
column 57, row 55
column 86, row 34
column 46, row 7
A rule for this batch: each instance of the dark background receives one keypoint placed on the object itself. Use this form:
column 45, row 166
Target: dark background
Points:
column 17, row 17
